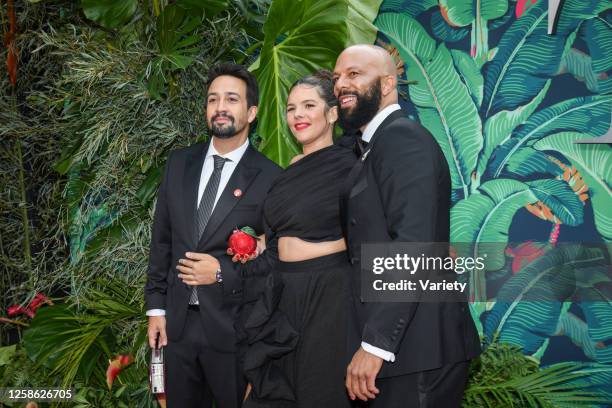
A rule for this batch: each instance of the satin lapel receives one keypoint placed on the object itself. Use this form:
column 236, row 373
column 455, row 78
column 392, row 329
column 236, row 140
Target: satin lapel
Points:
column 191, row 183
column 393, row 116
column 241, row 179
column 356, row 185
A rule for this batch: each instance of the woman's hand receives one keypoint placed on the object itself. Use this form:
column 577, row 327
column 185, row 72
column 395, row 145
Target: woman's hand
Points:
column 261, row 246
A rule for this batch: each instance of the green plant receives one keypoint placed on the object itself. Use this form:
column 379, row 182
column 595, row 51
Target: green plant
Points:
column 504, row 377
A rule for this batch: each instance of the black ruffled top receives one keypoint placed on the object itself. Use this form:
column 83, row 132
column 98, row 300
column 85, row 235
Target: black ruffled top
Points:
column 304, row 202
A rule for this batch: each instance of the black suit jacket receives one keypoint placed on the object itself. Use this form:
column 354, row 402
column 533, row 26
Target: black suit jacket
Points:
column 400, row 191
column 174, row 234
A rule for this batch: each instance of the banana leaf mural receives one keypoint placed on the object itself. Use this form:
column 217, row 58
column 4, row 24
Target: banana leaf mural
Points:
column 506, row 102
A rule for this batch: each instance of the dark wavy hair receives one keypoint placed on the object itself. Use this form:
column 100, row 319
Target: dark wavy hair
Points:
column 323, row 82
column 240, row 72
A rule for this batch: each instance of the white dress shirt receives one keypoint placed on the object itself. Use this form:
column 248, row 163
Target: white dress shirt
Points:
column 368, row 132
column 372, row 125
column 233, row 158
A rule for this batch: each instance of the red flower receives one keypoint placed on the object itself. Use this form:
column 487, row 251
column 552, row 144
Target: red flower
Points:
column 242, row 242
column 522, row 6
column 15, row 310
column 12, row 56
column 115, row 366
column 38, row 300
column 523, row 255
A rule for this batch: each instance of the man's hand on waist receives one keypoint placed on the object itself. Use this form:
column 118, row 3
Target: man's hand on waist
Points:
column 198, row 269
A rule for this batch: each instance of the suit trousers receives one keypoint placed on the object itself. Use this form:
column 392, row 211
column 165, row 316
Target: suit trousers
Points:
column 439, row 388
column 197, row 375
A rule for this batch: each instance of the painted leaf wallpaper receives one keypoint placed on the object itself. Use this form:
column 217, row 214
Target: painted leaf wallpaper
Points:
column 506, row 102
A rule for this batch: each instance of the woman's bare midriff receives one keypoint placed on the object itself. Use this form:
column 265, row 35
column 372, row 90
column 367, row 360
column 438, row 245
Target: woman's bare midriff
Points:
column 292, row 249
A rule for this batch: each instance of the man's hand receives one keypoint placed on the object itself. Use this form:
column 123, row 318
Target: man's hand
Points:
column 247, row 392
column 157, row 327
column 361, row 374
column 198, row 269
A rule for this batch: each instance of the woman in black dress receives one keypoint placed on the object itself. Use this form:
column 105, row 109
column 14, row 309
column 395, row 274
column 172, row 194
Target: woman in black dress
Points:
column 295, row 331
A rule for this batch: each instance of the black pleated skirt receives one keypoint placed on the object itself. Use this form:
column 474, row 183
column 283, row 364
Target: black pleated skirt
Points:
column 296, row 334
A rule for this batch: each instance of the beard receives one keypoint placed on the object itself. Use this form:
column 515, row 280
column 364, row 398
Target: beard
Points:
column 224, row 132
column 364, row 110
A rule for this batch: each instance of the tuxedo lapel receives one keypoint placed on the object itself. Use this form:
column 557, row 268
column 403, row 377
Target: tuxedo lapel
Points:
column 241, row 179
column 191, row 183
column 356, row 182
column 393, row 116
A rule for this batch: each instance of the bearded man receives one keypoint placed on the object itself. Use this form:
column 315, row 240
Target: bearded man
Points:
column 402, row 354
column 194, row 290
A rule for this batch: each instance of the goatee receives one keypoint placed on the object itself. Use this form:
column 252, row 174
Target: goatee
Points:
column 223, row 132
column 364, row 110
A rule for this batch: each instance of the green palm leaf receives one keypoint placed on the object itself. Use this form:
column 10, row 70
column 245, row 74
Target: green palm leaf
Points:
column 292, row 48
column 361, row 13
column 470, row 74
column 526, row 164
column 580, row 65
column 528, row 57
column 110, row 13
column 463, row 12
column 444, row 102
column 597, row 310
column 460, row 13
column 77, row 345
column 486, row 217
column 57, row 340
column 590, row 115
column 530, row 303
column 597, row 33
column 498, row 128
column 407, row 7
column 560, row 198
column 483, row 220
column 577, row 331
column 556, row 386
column 594, row 162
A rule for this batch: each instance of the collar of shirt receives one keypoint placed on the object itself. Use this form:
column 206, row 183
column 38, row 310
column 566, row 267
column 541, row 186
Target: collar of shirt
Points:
column 369, row 130
column 234, row 156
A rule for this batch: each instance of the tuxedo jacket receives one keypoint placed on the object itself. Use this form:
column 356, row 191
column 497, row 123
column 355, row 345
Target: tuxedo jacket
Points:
column 399, row 191
column 174, row 234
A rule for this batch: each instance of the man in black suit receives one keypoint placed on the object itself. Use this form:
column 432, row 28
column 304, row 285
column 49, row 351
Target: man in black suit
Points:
column 193, row 288
column 408, row 354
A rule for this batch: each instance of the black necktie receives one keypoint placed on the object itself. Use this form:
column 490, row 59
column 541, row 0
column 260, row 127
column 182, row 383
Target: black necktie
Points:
column 205, row 208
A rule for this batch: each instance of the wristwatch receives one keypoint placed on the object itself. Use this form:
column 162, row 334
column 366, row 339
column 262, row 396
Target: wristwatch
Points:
column 219, row 276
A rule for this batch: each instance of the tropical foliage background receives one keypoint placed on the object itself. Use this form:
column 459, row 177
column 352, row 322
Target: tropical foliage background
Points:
column 96, row 93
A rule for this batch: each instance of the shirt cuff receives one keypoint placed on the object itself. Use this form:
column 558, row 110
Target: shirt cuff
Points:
column 156, row 312
column 378, row 352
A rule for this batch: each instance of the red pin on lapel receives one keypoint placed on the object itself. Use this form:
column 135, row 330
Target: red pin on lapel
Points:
column 237, row 192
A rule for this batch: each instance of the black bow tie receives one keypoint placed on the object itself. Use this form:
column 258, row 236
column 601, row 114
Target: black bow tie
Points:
column 361, row 144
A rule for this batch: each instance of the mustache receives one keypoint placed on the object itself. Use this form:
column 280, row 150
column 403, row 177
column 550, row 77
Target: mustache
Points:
column 221, row 115
column 347, row 92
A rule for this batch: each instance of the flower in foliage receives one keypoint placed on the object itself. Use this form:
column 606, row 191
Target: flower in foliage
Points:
column 30, row 310
column 115, row 366
column 523, row 5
